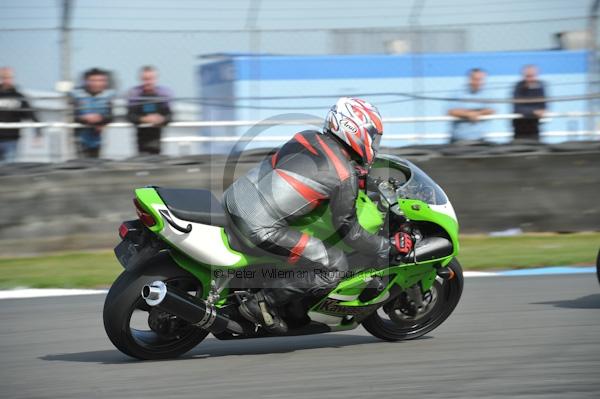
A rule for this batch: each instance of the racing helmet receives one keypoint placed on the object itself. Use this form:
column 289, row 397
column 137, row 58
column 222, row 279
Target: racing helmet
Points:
column 357, row 124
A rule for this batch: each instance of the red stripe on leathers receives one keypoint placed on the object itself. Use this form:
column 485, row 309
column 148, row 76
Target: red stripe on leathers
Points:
column 342, row 172
column 296, row 252
column 308, row 193
column 300, row 139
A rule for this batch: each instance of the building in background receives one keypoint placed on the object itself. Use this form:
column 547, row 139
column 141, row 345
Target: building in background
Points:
column 293, row 87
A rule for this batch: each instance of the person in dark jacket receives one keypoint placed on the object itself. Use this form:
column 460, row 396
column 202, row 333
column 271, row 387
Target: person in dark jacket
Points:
column 14, row 107
column 312, row 168
column 149, row 104
column 528, row 127
column 92, row 107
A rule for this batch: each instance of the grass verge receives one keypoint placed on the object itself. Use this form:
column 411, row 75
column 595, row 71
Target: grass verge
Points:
column 99, row 269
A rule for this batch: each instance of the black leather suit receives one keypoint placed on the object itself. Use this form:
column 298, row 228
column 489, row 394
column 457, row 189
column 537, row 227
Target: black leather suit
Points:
column 306, row 171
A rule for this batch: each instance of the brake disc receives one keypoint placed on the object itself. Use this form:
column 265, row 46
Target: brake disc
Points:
column 165, row 324
column 412, row 305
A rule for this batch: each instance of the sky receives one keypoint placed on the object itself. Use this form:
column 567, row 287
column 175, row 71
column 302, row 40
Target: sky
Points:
column 122, row 36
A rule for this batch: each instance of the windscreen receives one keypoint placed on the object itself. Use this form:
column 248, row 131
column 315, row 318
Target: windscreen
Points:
column 421, row 187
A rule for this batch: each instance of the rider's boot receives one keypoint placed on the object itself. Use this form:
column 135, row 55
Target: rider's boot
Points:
column 259, row 310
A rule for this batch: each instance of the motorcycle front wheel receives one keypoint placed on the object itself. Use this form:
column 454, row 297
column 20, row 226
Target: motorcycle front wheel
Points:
column 141, row 331
column 598, row 266
column 402, row 320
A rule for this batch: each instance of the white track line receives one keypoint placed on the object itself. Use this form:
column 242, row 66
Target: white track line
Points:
column 478, row 274
column 46, row 292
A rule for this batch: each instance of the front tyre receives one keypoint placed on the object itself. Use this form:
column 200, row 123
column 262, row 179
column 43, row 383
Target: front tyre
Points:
column 141, row 331
column 598, row 266
column 398, row 320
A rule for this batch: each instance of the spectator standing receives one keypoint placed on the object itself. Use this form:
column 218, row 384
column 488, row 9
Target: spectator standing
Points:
column 470, row 127
column 14, row 107
column 149, row 104
column 529, row 88
column 92, row 107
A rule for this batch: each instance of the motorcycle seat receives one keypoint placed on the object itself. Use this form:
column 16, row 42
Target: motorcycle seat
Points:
column 199, row 206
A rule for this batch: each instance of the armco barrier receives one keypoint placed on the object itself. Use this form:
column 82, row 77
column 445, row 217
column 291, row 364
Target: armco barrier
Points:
column 79, row 204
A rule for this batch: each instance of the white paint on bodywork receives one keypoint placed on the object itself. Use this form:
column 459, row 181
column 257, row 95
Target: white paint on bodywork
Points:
column 345, row 298
column 204, row 243
column 330, row 320
column 446, row 209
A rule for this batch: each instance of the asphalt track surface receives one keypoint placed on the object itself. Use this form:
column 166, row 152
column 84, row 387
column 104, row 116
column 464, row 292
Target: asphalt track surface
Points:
column 517, row 337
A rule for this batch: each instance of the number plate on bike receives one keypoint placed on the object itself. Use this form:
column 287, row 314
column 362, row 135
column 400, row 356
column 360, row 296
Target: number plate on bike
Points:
column 125, row 251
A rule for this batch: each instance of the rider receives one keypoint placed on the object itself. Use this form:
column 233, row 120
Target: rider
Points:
column 310, row 168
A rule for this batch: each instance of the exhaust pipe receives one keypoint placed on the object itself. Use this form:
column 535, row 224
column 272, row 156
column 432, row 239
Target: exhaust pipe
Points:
column 191, row 309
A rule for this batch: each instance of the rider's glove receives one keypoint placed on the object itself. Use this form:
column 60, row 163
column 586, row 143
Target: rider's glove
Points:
column 401, row 244
column 362, row 175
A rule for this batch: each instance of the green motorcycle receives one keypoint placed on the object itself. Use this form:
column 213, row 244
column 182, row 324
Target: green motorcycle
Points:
column 185, row 275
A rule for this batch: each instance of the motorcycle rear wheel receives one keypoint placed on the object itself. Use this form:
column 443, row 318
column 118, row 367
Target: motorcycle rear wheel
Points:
column 128, row 319
column 440, row 302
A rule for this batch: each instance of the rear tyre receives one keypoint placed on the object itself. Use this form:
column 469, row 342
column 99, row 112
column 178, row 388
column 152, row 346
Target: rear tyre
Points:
column 143, row 332
column 396, row 321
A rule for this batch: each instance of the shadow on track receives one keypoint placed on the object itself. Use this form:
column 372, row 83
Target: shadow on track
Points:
column 215, row 348
column 585, row 302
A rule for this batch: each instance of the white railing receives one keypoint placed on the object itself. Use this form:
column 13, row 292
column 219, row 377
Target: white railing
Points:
column 275, row 122
column 59, row 146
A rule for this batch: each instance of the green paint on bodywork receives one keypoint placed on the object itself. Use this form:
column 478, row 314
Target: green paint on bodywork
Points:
column 404, row 276
column 369, row 217
column 319, row 222
column 148, row 197
column 420, row 211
